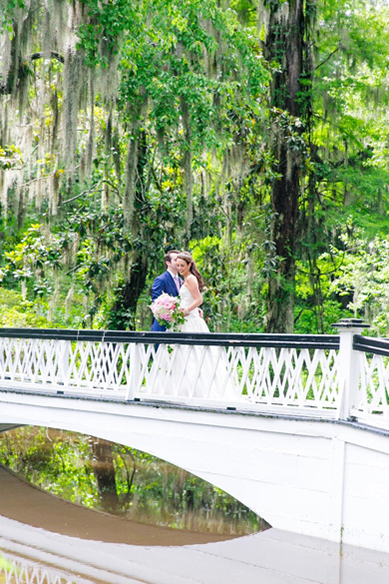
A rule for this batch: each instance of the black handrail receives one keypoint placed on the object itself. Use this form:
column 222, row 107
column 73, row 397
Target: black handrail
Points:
column 371, row 345
column 170, row 338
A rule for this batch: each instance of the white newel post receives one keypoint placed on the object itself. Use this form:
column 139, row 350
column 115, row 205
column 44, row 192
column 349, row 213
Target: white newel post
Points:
column 134, row 366
column 348, row 364
column 64, row 362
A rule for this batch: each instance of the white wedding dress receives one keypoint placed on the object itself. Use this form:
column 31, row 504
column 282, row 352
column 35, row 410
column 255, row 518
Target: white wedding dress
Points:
column 190, row 370
column 200, row 371
column 193, row 322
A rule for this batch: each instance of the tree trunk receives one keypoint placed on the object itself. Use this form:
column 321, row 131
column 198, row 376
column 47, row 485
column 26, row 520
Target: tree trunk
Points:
column 285, row 192
column 104, row 471
column 284, row 44
column 123, row 312
column 186, row 165
column 124, row 309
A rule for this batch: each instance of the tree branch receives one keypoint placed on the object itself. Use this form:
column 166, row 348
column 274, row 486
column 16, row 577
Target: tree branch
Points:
column 40, row 55
column 327, row 58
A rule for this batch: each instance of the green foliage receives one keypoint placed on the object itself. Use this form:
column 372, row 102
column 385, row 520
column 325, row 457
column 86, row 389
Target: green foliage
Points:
column 313, row 319
column 232, row 300
column 10, row 157
column 183, row 95
column 9, row 8
column 362, row 277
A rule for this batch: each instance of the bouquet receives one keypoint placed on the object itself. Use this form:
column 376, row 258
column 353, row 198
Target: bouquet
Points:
column 166, row 309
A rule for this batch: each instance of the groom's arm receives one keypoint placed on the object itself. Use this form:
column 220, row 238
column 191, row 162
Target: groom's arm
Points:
column 158, row 287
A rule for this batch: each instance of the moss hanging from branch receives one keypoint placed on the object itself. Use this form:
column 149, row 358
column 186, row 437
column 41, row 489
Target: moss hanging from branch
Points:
column 186, row 163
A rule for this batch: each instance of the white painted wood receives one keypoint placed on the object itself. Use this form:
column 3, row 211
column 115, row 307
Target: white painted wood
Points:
column 348, row 368
column 373, row 386
column 254, row 377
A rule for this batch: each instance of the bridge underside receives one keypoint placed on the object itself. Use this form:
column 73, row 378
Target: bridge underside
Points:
column 312, row 477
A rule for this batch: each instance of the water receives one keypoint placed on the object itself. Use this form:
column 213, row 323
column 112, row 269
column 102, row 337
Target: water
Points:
column 122, row 481
column 270, row 557
column 45, row 540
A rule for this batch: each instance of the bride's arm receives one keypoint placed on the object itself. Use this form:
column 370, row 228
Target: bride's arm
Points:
column 193, row 285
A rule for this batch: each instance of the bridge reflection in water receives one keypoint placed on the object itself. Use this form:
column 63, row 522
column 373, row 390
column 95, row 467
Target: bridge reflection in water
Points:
column 17, row 570
column 277, row 558
column 33, row 555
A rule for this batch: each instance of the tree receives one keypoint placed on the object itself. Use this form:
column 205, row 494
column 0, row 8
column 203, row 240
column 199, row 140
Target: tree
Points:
column 147, row 137
column 158, row 125
column 301, row 90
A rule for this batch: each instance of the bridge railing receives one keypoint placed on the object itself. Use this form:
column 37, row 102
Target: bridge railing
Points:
column 231, row 370
column 371, row 402
column 335, row 376
column 253, row 371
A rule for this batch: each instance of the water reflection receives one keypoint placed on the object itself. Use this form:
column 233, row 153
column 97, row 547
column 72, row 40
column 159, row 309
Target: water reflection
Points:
column 17, row 570
column 46, row 540
column 22, row 502
column 269, row 557
column 122, row 481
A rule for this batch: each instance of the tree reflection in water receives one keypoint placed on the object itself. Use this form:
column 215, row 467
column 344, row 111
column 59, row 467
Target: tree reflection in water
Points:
column 123, row 481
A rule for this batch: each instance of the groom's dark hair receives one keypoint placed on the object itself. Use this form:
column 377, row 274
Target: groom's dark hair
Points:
column 168, row 256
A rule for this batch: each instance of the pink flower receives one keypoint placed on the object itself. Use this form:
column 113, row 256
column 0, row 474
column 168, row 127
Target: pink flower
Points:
column 167, row 311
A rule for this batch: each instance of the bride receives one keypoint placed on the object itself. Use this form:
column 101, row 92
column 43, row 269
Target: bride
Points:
column 197, row 370
column 191, row 294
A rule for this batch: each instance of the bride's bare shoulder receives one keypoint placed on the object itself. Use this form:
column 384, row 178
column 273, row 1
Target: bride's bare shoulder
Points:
column 192, row 285
column 191, row 280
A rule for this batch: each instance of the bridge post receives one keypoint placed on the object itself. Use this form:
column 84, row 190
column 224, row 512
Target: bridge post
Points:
column 64, row 362
column 348, row 364
column 134, row 376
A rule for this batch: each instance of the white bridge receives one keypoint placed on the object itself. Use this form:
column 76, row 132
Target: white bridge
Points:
column 294, row 426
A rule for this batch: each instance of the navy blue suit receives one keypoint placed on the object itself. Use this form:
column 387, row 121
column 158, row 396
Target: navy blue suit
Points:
column 163, row 283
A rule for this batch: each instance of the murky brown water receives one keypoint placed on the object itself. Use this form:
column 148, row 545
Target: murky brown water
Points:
column 25, row 503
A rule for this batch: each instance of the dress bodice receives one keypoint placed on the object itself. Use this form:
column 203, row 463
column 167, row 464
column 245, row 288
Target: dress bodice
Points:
column 186, row 297
column 193, row 322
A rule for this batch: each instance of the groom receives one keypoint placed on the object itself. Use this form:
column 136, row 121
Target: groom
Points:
column 168, row 282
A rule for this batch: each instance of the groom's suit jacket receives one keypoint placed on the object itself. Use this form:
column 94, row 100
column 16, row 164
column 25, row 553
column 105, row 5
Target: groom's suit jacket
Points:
column 163, row 283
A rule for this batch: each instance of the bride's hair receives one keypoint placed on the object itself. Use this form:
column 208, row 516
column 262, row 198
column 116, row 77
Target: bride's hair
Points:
column 185, row 255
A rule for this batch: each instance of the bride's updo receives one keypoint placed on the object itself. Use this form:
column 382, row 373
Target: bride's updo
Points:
column 185, row 255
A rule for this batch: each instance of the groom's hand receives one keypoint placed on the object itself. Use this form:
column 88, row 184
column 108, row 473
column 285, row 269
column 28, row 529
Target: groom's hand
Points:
column 201, row 313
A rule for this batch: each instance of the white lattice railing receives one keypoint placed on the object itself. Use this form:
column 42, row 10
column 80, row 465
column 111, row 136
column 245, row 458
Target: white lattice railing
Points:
column 18, row 570
column 312, row 374
column 249, row 370
column 257, row 375
column 372, row 393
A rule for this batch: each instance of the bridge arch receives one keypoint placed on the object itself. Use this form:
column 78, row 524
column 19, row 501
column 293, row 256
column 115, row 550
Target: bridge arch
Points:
column 225, row 450
column 308, row 476
column 162, row 453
